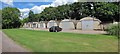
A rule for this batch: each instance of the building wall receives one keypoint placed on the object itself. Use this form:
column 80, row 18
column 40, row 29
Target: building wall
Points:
column 97, row 25
column 67, row 25
column 51, row 23
column 79, row 25
column 41, row 25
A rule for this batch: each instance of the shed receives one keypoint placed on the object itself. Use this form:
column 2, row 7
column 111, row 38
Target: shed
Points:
column 51, row 23
column 89, row 23
column 28, row 25
column 25, row 25
column 35, row 25
column 67, row 24
column 41, row 24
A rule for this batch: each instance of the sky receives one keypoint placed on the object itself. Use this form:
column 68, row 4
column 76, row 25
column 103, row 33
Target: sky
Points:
column 37, row 6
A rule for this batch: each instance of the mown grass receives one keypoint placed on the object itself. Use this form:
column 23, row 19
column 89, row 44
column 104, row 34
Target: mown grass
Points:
column 43, row 41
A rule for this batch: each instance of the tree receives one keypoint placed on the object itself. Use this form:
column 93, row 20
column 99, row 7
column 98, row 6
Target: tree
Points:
column 31, row 16
column 0, row 19
column 105, row 11
column 10, row 18
column 25, row 20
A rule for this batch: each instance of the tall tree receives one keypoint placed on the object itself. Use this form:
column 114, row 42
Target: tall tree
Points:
column 31, row 16
column 0, row 19
column 10, row 18
column 105, row 11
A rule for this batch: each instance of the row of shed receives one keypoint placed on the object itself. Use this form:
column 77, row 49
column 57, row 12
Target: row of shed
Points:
column 87, row 23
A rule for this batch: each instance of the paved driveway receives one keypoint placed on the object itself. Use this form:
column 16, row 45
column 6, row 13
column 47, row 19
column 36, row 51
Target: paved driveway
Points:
column 0, row 41
column 8, row 45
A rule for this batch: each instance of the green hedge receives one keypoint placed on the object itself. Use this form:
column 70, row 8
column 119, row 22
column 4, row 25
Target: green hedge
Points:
column 114, row 29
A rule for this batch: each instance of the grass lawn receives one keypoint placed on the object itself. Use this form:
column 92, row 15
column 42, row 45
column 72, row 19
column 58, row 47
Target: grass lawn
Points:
column 43, row 41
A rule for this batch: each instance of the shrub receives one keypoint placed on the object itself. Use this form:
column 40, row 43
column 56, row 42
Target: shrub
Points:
column 114, row 29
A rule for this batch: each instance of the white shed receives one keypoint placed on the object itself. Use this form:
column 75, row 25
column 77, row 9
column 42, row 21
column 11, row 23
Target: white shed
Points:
column 51, row 23
column 35, row 25
column 89, row 23
column 67, row 24
column 25, row 25
column 28, row 25
column 41, row 24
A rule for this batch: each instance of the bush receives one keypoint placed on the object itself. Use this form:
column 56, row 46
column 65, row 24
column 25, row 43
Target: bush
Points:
column 114, row 29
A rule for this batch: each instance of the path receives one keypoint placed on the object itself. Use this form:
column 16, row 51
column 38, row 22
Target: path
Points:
column 8, row 45
column 0, row 41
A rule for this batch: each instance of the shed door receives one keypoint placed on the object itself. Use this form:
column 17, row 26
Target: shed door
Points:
column 34, row 25
column 87, row 25
column 42, row 25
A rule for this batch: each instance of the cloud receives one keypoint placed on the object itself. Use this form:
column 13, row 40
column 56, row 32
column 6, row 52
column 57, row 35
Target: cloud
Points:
column 39, row 9
column 62, row 2
column 24, row 12
column 9, row 2
column 36, row 9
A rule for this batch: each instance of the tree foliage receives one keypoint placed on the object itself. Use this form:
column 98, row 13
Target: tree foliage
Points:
column 10, row 18
column 31, row 16
column 0, row 19
column 114, row 29
column 105, row 11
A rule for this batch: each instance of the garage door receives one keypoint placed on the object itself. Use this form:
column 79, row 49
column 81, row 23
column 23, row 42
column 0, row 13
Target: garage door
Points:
column 87, row 25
